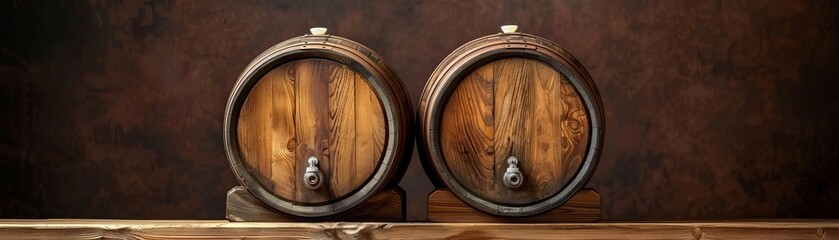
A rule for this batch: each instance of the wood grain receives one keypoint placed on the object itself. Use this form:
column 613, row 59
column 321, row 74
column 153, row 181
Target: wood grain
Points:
column 219, row 229
column 470, row 145
column 514, row 107
column 256, row 136
column 573, row 126
column 384, row 206
column 357, row 130
column 584, row 206
column 283, row 135
column 311, row 117
column 311, row 107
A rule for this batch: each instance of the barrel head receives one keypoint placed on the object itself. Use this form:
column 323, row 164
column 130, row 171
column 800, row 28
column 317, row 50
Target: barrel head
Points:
column 311, row 108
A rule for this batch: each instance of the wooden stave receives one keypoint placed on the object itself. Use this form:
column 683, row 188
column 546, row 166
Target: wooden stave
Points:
column 364, row 61
column 474, row 54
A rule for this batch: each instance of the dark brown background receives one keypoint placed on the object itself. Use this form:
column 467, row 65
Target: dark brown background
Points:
column 714, row 109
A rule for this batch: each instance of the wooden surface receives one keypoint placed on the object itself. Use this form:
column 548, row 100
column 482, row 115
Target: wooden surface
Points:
column 514, row 107
column 384, row 206
column 583, row 207
column 311, row 107
column 215, row 229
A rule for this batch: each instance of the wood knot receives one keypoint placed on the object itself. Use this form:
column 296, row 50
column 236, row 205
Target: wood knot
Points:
column 291, row 74
column 697, row 233
column 291, row 144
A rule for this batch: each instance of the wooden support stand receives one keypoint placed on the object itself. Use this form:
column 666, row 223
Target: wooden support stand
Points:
column 583, row 207
column 385, row 206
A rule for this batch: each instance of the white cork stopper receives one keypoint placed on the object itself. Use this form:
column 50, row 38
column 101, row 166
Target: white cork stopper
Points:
column 317, row 30
column 509, row 28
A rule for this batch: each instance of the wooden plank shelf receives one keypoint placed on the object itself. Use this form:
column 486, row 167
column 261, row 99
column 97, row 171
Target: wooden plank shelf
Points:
column 220, row 229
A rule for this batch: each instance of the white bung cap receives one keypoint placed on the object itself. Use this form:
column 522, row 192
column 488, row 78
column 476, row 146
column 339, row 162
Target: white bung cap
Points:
column 509, row 28
column 317, row 30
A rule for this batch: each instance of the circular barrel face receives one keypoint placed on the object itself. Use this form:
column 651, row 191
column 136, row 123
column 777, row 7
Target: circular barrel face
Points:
column 511, row 124
column 514, row 107
column 311, row 108
column 316, row 125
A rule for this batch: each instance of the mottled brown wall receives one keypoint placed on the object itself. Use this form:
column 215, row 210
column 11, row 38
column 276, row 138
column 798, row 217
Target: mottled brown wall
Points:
column 714, row 109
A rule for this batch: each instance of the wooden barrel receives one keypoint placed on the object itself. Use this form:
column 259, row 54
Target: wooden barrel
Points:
column 512, row 124
column 316, row 125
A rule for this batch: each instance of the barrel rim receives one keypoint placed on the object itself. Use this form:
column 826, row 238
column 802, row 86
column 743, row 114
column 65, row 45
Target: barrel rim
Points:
column 330, row 47
column 490, row 48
